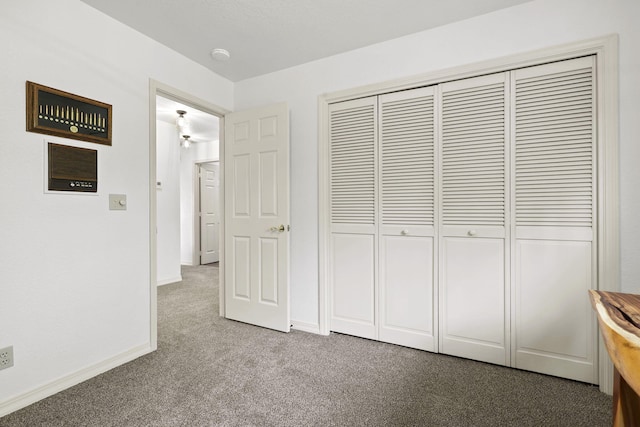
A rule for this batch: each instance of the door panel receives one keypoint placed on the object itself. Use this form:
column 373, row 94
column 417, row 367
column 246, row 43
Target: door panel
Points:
column 553, row 314
column 406, row 291
column 474, row 222
column 406, row 182
column 353, row 278
column 269, row 270
column 473, row 300
column 257, row 217
column 241, row 268
column 555, row 191
column 353, row 240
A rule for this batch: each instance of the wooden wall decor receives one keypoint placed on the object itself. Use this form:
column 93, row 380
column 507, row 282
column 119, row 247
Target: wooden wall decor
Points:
column 72, row 169
column 54, row 112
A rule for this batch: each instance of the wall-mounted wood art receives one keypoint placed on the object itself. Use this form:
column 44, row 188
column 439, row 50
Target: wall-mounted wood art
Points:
column 54, row 112
column 72, row 169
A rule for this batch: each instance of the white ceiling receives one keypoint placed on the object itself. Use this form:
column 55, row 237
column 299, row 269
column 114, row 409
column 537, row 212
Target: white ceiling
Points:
column 203, row 127
column 269, row 35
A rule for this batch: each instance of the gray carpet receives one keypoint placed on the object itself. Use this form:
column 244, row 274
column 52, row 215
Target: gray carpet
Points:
column 209, row 371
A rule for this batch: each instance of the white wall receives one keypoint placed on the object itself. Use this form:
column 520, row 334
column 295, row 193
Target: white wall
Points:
column 197, row 152
column 530, row 26
column 168, row 203
column 74, row 282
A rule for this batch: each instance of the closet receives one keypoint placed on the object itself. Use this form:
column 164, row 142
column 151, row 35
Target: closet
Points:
column 462, row 218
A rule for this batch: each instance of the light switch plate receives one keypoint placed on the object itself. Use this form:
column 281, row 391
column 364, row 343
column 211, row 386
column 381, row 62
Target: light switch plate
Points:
column 117, row 202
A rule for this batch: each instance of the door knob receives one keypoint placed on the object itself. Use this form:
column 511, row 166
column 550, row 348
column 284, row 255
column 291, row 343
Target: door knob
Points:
column 404, row 232
column 472, row 232
column 278, row 229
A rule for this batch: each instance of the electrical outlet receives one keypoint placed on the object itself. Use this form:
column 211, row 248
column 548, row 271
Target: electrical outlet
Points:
column 6, row 357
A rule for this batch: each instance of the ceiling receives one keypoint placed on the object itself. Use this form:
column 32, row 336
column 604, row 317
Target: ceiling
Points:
column 263, row 36
column 203, row 127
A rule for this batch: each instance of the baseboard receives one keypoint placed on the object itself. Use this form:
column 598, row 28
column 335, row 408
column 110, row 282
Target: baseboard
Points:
column 313, row 328
column 169, row 281
column 25, row 399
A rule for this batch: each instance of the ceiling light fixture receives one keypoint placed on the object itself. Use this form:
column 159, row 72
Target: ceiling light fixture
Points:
column 186, row 143
column 181, row 121
column 220, row 54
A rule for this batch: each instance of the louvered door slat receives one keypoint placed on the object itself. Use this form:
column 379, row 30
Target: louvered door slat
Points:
column 554, row 118
column 407, row 160
column 473, row 165
column 352, row 133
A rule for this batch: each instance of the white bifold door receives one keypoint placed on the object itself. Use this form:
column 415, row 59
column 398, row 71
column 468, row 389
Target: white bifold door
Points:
column 382, row 218
column 256, row 256
column 474, row 293
column 554, row 215
column 462, row 218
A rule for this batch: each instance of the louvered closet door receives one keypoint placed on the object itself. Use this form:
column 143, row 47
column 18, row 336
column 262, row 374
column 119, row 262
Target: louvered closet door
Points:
column 353, row 244
column 473, row 221
column 555, row 193
column 406, row 185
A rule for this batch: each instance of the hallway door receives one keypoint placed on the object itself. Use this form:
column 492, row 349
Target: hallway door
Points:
column 256, row 255
column 209, row 174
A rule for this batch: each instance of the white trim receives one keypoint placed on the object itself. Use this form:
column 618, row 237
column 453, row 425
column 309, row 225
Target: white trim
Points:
column 170, row 281
column 323, row 216
column 157, row 88
column 25, row 399
column 606, row 50
column 197, row 234
column 608, row 187
column 312, row 328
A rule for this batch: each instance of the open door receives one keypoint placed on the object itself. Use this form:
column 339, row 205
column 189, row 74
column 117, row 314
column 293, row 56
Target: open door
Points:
column 209, row 212
column 256, row 261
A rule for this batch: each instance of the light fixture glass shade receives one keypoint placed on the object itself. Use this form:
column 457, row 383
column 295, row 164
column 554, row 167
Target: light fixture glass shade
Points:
column 185, row 141
column 181, row 121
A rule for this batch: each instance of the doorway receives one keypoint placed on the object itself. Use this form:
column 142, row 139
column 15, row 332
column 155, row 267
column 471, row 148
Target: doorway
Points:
column 186, row 137
column 160, row 183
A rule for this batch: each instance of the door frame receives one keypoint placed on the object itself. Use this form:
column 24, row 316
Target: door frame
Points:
column 605, row 49
column 158, row 88
column 197, row 223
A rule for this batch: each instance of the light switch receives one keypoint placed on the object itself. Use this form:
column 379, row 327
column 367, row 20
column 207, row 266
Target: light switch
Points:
column 117, row 202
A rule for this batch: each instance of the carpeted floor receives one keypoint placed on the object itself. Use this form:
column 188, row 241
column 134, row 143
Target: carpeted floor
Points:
column 209, row 371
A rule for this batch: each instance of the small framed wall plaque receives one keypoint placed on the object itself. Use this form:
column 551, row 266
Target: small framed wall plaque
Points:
column 72, row 169
column 54, row 112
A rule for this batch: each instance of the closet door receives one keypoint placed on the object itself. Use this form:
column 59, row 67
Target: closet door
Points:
column 473, row 224
column 353, row 243
column 555, row 194
column 406, row 185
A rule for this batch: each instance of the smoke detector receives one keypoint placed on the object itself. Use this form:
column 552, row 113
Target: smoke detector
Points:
column 220, row 54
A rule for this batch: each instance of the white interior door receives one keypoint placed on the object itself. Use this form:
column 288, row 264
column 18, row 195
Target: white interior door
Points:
column 554, row 163
column 354, row 243
column 406, row 185
column 256, row 154
column 474, row 223
column 209, row 212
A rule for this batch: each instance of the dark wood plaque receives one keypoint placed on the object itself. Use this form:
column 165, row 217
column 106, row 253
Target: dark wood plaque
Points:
column 54, row 112
column 72, row 169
